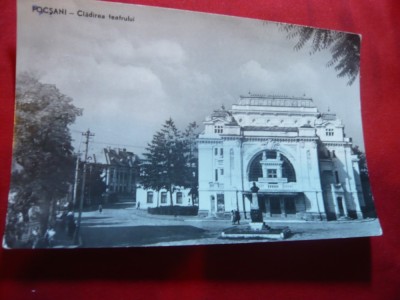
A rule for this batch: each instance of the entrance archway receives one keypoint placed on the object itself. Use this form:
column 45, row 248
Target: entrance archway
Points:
column 255, row 170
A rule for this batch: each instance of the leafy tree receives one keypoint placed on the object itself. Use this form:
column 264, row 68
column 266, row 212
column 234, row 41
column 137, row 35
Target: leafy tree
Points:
column 344, row 47
column 167, row 159
column 192, row 166
column 369, row 209
column 95, row 185
column 43, row 160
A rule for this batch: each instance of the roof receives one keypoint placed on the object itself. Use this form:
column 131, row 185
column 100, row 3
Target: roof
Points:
column 276, row 101
column 220, row 113
column 120, row 157
column 328, row 116
column 269, row 128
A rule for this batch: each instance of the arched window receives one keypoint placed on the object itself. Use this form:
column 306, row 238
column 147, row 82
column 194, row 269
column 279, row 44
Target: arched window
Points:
column 255, row 170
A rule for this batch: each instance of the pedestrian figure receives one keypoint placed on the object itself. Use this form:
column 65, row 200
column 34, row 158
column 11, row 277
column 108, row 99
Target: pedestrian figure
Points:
column 35, row 237
column 233, row 217
column 49, row 237
column 100, row 208
column 71, row 226
column 138, row 205
column 237, row 217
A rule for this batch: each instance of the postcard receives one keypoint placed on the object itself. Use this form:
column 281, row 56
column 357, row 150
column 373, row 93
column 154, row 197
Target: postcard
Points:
column 141, row 126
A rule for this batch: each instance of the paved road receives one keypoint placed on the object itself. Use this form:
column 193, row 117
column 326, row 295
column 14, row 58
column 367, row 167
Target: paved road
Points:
column 124, row 226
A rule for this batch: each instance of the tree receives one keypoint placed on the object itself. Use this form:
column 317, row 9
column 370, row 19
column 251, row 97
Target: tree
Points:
column 95, row 185
column 166, row 160
column 344, row 47
column 192, row 167
column 43, row 160
column 369, row 208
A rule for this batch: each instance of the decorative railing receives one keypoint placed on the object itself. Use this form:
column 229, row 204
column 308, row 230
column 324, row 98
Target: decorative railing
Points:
column 275, row 186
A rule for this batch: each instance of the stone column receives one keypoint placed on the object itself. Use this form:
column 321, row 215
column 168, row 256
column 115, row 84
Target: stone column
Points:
column 346, row 213
column 356, row 200
column 282, row 204
column 263, row 163
column 335, row 203
column 267, row 207
column 279, row 170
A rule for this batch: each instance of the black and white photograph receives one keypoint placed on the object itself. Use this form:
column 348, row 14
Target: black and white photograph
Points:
column 139, row 126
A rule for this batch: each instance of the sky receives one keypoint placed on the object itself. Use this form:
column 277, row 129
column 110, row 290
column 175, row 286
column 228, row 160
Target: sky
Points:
column 129, row 77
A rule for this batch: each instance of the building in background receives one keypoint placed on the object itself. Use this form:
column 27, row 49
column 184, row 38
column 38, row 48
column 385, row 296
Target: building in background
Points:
column 299, row 158
column 152, row 198
column 121, row 173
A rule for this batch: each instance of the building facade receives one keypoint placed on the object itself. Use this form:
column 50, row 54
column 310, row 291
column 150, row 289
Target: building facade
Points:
column 299, row 159
column 121, row 173
column 152, row 198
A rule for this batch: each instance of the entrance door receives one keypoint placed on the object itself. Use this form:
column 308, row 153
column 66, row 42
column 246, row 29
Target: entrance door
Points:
column 340, row 205
column 275, row 206
column 290, row 206
column 220, row 203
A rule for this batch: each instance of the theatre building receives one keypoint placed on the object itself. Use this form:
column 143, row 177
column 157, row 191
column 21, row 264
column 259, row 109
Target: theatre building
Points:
column 299, row 159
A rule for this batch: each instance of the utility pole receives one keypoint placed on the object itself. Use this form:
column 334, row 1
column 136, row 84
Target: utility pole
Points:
column 74, row 195
column 87, row 135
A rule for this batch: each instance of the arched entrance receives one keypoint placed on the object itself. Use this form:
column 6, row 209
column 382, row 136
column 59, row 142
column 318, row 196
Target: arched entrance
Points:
column 275, row 175
column 271, row 164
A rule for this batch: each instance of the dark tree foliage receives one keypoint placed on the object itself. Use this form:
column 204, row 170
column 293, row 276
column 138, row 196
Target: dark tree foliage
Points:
column 43, row 160
column 344, row 47
column 95, row 185
column 369, row 209
column 170, row 159
column 192, row 166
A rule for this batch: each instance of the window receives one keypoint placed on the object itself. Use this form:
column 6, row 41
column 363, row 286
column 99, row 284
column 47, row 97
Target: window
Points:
column 163, row 197
column 221, row 171
column 149, row 197
column 221, row 151
column 179, row 198
column 218, row 129
column 216, row 174
column 329, row 131
column 271, row 173
column 215, row 151
column 337, row 177
column 220, row 203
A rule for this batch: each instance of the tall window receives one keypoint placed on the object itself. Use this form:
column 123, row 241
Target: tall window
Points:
column 221, row 151
column 329, row 131
column 337, row 177
column 179, row 198
column 216, row 174
column 149, row 197
column 218, row 129
column 163, row 197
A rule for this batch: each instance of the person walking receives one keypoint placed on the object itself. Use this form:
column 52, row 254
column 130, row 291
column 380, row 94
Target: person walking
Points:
column 237, row 217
